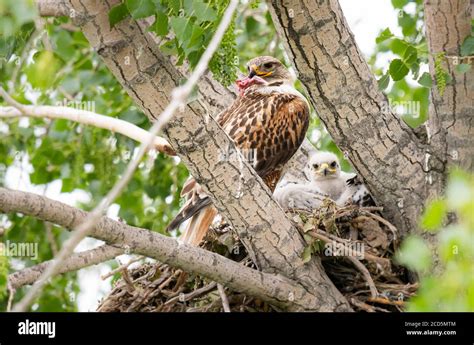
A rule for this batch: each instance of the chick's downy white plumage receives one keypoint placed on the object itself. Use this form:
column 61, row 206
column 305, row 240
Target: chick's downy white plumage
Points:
column 299, row 196
column 326, row 181
column 325, row 173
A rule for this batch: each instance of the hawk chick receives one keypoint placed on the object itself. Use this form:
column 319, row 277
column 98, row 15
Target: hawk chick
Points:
column 326, row 181
column 326, row 175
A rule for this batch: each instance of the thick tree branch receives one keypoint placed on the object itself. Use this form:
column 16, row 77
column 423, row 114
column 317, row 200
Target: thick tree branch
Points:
column 89, row 118
column 75, row 262
column 274, row 289
column 380, row 146
column 448, row 24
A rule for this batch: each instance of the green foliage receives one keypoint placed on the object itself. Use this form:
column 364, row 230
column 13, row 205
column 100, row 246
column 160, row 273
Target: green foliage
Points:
column 4, row 269
column 425, row 80
column 467, row 48
column 440, row 73
column 186, row 27
column 434, row 215
column 398, row 69
column 411, row 56
column 452, row 289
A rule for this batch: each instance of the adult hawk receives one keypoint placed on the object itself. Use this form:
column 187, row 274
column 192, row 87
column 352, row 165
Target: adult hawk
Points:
column 269, row 119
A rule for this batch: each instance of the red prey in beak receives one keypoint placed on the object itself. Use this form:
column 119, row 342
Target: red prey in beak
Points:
column 246, row 82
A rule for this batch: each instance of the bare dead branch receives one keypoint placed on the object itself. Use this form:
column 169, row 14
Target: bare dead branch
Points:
column 224, row 299
column 88, row 118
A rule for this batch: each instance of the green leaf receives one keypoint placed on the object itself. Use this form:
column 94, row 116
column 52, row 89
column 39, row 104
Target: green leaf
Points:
column 399, row 3
column 434, row 215
column 410, row 55
column 175, row 6
column 383, row 82
column 117, row 14
column 415, row 69
column 463, row 68
column 398, row 69
column 467, row 48
column 181, row 28
column 251, row 25
column 160, row 26
column 398, row 46
column 42, row 73
column 169, row 48
column 407, row 23
column 196, row 36
column 132, row 116
column 204, row 12
column 414, row 254
column 384, row 35
column 140, row 8
column 425, row 80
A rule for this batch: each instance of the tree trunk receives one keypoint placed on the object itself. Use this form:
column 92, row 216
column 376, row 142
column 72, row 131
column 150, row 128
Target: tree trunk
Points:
column 448, row 24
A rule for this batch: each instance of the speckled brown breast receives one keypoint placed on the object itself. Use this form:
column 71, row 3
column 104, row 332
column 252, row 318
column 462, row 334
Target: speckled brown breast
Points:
column 267, row 127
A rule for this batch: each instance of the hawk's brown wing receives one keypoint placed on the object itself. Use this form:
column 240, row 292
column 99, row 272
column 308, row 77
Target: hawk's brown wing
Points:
column 267, row 129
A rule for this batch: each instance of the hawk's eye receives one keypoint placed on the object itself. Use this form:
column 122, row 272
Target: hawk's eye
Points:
column 316, row 166
column 333, row 164
column 268, row 65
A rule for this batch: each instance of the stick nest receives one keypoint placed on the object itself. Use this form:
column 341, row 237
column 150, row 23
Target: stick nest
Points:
column 355, row 244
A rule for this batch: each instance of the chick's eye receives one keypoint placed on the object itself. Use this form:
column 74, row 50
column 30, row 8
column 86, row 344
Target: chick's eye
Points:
column 316, row 166
column 333, row 164
column 268, row 65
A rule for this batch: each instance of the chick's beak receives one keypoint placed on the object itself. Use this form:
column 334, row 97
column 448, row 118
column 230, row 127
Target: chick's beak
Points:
column 324, row 170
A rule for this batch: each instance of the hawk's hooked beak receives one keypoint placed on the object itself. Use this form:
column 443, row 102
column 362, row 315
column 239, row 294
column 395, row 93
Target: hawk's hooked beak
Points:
column 254, row 70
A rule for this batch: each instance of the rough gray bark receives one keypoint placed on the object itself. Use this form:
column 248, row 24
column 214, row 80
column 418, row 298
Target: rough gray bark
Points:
column 397, row 166
column 275, row 289
column 149, row 77
column 451, row 119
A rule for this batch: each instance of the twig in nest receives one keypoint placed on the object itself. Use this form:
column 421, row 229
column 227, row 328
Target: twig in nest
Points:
column 369, row 257
column 389, row 225
column 382, row 300
column 367, row 307
column 365, row 272
column 364, row 306
column 225, row 300
column 120, row 268
column 194, row 294
column 128, row 281
column 10, row 296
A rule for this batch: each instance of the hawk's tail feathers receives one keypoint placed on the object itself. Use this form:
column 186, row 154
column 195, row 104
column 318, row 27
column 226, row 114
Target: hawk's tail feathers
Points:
column 192, row 207
column 197, row 228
